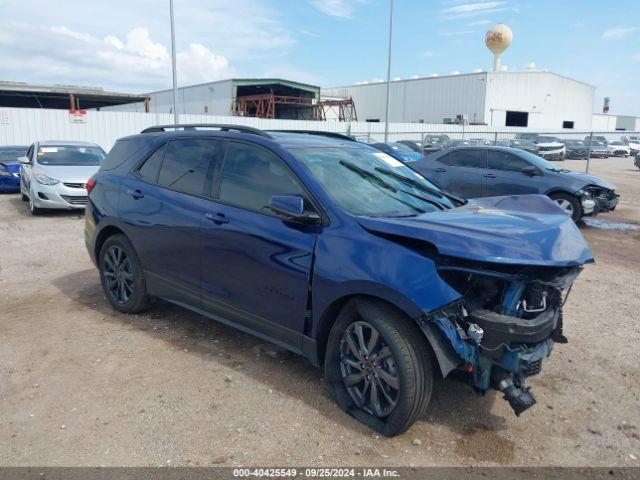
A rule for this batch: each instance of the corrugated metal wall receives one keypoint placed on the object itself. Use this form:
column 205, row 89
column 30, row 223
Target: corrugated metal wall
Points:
column 22, row 126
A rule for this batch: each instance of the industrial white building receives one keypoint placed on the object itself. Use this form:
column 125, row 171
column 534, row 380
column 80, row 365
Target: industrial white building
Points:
column 530, row 98
column 263, row 97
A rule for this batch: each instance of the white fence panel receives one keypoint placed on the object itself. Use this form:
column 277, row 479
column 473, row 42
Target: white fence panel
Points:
column 22, row 126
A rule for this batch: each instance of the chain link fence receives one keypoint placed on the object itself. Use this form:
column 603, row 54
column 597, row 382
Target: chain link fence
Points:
column 552, row 145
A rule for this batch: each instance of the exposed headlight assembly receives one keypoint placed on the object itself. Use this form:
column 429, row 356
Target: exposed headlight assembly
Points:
column 42, row 179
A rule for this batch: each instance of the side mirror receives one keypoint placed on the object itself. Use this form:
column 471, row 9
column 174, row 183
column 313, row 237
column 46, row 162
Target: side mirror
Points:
column 530, row 170
column 291, row 207
column 24, row 160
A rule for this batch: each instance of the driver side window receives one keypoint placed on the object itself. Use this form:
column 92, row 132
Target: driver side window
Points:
column 506, row 161
column 252, row 175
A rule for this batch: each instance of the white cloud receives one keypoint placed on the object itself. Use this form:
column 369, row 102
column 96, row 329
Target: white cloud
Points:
column 428, row 53
column 617, row 33
column 136, row 62
column 309, row 33
column 479, row 23
column 636, row 57
column 472, row 9
column 338, row 8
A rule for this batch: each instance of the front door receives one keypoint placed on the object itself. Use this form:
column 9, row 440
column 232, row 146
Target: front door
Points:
column 255, row 266
column 504, row 175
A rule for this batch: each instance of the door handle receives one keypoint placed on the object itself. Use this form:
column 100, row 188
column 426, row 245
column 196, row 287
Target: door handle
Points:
column 489, row 175
column 441, row 170
column 137, row 194
column 217, row 218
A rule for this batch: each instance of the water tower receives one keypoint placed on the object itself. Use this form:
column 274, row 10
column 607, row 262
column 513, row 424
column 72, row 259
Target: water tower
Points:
column 498, row 38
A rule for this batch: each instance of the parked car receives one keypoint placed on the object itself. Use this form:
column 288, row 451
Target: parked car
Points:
column 340, row 253
column 596, row 138
column 10, row 168
column 548, row 147
column 415, row 145
column 433, row 143
column 619, row 149
column 523, row 144
column 633, row 142
column 53, row 174
column 576, row 150
column 598, row 149
column 636, row 162
column 472, row 172
column 399, row 151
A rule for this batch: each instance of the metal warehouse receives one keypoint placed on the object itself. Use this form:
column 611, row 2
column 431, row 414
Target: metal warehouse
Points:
column 534, row 98
column 263, row 98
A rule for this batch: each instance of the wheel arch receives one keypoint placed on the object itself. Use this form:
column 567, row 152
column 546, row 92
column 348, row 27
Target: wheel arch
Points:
column 445, row 357
column 103, row 235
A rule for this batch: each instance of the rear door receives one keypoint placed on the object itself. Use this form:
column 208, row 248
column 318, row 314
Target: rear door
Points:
column 256, row 266
column 460, row 172
column 162, row 204
column 504, row 176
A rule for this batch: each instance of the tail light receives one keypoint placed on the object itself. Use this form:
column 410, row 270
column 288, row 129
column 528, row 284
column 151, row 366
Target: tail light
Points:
column 90, row 184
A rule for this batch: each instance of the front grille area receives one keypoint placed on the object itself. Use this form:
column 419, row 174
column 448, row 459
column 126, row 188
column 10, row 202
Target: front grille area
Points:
column 74, row 200
column 75, row 185
column 548, row 148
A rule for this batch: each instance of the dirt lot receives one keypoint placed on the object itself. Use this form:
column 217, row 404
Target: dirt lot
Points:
column 83, row 385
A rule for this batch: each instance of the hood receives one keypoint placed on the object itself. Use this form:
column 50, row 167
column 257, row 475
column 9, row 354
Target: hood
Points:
column 70, row 174
column 13, row 167
column 586, row 179
column 515, row 230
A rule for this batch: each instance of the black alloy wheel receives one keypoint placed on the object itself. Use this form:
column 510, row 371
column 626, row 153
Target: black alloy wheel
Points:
column 369, row 370
column 118, row 273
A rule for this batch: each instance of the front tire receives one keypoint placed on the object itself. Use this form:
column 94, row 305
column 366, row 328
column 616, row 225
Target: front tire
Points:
column 570, row 205
column 32, row 206
column 122, row 277
column 378, row 366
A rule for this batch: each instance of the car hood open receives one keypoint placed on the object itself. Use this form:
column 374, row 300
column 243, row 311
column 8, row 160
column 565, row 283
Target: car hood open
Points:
column 515, row 230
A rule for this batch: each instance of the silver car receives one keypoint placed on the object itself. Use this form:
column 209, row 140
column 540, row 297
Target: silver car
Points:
column 54, row 174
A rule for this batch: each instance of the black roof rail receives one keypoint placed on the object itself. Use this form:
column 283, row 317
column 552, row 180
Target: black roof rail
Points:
column 195, row 126
column 339, row 136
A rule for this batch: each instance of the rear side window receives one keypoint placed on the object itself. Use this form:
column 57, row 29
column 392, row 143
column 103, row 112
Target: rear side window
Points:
column 251, row 176
column 122, row 150
column 185, row 165
column 506, row 161
column 464, row 158
column 151, row 167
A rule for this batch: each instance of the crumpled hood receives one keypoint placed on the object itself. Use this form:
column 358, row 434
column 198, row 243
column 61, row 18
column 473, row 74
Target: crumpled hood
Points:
column 588, row 179
column 69, row 174
column 516, row 230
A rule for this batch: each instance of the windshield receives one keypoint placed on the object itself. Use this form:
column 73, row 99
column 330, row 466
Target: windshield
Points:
column 548, row 140
column 617, row 143
column 574, row 143
column 12, row 155
column 70, row 155
column 367, row 182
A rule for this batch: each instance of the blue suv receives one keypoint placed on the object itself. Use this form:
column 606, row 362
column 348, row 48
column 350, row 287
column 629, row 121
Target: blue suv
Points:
column 340, row 253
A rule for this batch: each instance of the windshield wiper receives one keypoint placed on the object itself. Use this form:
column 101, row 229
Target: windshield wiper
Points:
column 370, row 175
column 418, row 185
column 378, row 182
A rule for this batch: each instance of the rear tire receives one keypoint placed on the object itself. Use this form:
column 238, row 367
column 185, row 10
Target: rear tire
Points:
column 122, row 276
column 570, row 205
column 397, row 368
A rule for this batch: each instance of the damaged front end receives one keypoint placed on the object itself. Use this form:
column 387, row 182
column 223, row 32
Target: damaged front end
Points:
column 504, row 325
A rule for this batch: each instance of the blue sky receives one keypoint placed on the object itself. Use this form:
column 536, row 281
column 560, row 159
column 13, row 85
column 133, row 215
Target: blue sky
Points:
column 124, row 45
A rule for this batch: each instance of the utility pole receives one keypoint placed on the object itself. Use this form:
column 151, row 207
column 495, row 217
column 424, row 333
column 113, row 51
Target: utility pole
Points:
column 173, row 66
column 386, row 113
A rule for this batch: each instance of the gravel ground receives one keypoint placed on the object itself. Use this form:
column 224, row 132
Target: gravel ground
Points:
column 83, row 385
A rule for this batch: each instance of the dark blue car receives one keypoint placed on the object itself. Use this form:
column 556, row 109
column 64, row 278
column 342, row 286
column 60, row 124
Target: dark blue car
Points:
column 340, row 253
column 10, row 168
column 487, row 171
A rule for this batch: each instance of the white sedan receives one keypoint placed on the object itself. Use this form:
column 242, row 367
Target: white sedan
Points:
column 54, row 174
column 619, row 149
